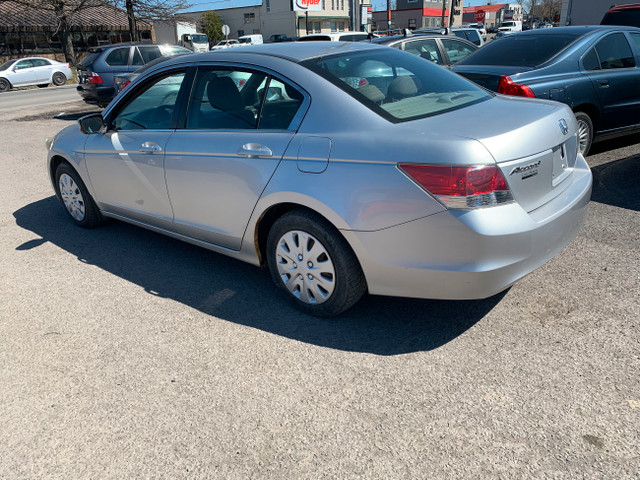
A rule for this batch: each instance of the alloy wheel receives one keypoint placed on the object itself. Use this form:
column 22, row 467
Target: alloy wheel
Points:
column 584, row 135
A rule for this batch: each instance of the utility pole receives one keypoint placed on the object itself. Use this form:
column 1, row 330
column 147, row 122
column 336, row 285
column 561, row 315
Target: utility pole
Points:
column 388, row 15
column 444, row 4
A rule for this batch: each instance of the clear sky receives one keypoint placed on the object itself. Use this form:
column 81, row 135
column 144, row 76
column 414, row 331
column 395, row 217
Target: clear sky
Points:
column 199, row 5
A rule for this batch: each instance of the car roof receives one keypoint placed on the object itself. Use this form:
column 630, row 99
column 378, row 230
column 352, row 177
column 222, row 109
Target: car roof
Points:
column 293, row 51
column 399, row 38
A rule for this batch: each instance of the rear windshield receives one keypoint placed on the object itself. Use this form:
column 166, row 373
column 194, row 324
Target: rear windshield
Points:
column 315, row 38
column 89, row 59
column 397, row 85
column 630, row 18
column 520, row 50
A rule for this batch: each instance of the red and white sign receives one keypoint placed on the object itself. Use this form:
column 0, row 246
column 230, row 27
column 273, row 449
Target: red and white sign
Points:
column 479, row 15
column 307, row 5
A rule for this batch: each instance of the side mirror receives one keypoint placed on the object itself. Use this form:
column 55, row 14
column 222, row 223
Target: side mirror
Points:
column 187, row 38
column 92, row 123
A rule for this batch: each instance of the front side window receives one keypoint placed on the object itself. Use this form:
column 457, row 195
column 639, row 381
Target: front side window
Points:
column 118, row 57
column 24, row 64
column 397, row 86
column 456, row 50
column 614, row 52
column 635, row 38
column 152, row 108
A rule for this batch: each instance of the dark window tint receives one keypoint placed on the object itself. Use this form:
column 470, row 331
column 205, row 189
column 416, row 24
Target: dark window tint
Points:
column 635, row 38
column 614, row 52
column 590, row 61
column 137, row 58
column 6, row 65
column 118, row 57
column 315, row 38
column 356, row 37
column 89, row 59
column 520, row 50
column 628, row 17
column 149, row 53
column 225, row 99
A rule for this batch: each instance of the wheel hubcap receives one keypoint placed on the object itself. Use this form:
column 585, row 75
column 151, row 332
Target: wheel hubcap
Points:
column 305, row 267
column 72, row 197
column 583, row 135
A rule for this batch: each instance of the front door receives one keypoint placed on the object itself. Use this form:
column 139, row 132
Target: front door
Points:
column 238, row 126
column 23, row 73
column 126, row 163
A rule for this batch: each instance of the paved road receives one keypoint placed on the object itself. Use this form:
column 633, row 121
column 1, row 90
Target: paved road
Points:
column 126, row 354
column 21, row 99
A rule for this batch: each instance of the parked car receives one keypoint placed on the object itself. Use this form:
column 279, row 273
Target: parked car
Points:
column 592, row 69
column 225, row 44
column 443, row 50
column 471, row 34
column 254, row 39
column 335, row 37
column 480, row 28
column 122, row 81
column 38, row 71
column 628, row 15
column 510, row 26
column 97, row 70
column 422, row 184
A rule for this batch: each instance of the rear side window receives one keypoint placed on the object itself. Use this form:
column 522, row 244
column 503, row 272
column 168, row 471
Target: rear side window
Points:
column 614, row 52
column 427, row 49
column 635, row 38
column 456, row 50
column 118, row 57
column 520, row 50
column 590, row 61
column 40, row 62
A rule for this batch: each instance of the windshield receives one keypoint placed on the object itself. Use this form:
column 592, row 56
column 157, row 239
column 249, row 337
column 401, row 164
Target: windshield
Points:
column 626, row 17
column 199, row 38
column 397, row 85
column 508, row 24
column 6, row 65
column 520, row 50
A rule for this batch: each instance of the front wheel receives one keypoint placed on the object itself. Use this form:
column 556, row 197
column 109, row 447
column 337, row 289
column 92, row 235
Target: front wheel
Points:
column 585, row 132
column 5, row 86
column 312, row 264
column 58, row 79
column 76, row 198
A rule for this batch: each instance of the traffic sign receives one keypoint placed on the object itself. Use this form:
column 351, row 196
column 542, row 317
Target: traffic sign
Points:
column 479, row 15
column 226, row 30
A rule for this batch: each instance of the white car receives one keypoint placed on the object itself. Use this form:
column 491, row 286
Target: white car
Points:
column 225, row 44
column 335, row 37
column 33, row 71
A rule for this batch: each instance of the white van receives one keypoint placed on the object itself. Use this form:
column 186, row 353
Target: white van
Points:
column 511, row 26
column 255, row 39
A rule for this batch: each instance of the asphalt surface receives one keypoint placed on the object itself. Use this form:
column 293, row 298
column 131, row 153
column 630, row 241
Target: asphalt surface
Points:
column 16, row 100
column 126, row 354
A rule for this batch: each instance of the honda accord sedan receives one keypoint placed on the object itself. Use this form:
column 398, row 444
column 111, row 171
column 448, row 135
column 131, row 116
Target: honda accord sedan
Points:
column 415, row 182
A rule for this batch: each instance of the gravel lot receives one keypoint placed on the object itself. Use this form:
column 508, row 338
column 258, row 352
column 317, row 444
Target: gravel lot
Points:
column 124, row 353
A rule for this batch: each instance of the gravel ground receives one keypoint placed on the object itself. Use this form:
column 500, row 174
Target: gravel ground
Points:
column 124, row 353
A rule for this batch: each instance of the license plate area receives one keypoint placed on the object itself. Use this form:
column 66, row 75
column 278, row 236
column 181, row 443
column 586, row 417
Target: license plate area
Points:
column 561, row 167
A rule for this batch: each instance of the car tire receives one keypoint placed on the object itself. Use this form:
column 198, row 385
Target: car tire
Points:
column 76, row 198
column 585, row 132
column 313, row 265
column 5, row 86
column 43, row 85
column 58, row 79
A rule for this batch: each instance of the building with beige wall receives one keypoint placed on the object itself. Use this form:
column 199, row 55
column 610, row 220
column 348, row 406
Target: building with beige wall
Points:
column 271, row 17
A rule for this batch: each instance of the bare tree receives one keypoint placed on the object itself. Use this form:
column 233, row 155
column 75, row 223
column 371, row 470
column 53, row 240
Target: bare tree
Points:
column 149, row 11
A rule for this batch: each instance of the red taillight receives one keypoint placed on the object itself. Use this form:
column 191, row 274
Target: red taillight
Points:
column 125, row 84
column 461, row 187
column 509, row 87
column 94, row 78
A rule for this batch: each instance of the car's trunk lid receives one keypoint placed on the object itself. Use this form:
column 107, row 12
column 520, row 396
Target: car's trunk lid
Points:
column 488, row 76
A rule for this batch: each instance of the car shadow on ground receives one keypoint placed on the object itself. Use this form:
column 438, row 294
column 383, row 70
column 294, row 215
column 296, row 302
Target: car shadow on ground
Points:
column 244, row 294
column 616, row 183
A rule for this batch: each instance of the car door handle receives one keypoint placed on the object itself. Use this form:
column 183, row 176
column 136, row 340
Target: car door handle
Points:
column 255, row 150
column 604, row 83
column 150, row 147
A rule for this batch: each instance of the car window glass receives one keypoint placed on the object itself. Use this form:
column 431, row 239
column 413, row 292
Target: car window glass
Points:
column 281, row 104
column 590, row 61
column 635, row 38
column 137, row 58
column 149, row 53
column 24, row 64
column 152, row 108
column 225, row 99
column 40, row 62
column 460, row 34
column 118, row 57
column 456, row 50
column 614, row 52
column 427, row 49
column 396, row 86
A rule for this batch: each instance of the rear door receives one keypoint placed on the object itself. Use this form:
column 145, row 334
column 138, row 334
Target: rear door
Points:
column 615, row 76
column 42, row 69
column 239, row 124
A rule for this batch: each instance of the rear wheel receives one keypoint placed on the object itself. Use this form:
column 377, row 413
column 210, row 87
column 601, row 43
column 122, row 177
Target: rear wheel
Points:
column 76, row 198
column 313, row 265
column 585, row 132
column 58, row 79
column 5, row 86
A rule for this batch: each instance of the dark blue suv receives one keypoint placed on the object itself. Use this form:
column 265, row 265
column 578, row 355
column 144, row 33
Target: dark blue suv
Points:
column 594, row 69
column 97, row 70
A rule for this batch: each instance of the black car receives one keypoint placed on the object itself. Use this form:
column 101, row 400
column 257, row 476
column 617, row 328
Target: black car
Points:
column 97, row 70
column 440, row 49
column 593, row 69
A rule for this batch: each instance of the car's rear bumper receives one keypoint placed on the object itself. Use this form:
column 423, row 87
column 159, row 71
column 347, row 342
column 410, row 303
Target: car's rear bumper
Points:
column 96, row 94
column 462, row 255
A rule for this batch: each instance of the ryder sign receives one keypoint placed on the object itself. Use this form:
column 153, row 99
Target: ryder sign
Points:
column 307, row 5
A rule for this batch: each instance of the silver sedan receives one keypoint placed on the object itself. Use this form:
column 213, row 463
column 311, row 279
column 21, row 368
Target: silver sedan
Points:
column 344, row 168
